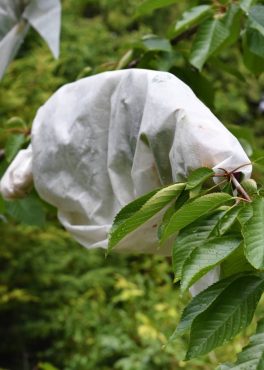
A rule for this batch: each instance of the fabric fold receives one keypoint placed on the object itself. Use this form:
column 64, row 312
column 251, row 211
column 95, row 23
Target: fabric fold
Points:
column 102, row 141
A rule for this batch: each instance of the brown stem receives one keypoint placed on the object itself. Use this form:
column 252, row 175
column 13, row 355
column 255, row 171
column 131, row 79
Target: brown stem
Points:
column 239, row 188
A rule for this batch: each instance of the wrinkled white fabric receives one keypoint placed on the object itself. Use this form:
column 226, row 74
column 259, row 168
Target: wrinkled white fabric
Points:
column 204, row 282
column 10, row 44
column 15, row 18
column 17, row 181
column 45, row 17
column 102, row 141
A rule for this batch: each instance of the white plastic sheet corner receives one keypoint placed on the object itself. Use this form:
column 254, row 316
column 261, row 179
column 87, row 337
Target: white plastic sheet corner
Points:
column 102, row 141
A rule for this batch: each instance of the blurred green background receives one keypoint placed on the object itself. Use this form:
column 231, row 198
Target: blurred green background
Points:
column 61, row 306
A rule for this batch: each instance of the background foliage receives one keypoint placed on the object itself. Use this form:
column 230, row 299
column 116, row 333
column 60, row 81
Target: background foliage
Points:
column 62, row 307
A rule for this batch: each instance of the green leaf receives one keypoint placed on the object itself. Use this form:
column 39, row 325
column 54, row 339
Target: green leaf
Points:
column 191, row 18
column 253, row 232
column 232, row 22
column 230, row 312
column 227, row 188
column 190, row 238
column 149, row 5
column 190, row 212
column 29, row 211
column 131, row 208
column 235, row 263
column 251, row 60
column 153, row 42
column 199, row 304
column 123, row 61
column 255, row 42
column 245, row 213
column 198, row 177
column 210, row 37
column 256, row 18
column 252, row 356
column 250, row 186
column 195, row 192
column 13, row 144
column 165, row 220
column 246, row 4
column 181, row 200
column 228, row 219
column 207, row 256
column 149, row 209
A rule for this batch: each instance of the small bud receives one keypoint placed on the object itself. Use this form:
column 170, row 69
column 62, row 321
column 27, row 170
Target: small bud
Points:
column 250, row 186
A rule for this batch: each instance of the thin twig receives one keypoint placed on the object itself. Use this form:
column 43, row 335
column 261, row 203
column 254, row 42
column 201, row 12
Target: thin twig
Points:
column 239, row 188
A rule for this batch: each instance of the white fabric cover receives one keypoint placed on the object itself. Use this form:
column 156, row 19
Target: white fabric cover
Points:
column 102, row 141
column 17, row 181
column 16, row 16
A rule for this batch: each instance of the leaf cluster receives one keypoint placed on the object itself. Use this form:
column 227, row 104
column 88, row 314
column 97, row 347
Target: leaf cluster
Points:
column 57, row 299
column 208, row 228
column 216, row 26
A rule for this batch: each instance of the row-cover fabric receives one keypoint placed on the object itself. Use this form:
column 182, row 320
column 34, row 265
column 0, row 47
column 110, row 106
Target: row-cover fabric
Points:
column 16, row 16
column 102, row 141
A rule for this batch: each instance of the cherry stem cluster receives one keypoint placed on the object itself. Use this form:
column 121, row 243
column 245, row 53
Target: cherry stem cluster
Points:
column 230, row 176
